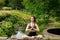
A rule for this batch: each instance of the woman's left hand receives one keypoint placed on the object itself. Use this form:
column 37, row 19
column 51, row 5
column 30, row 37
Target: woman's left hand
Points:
column 33, row 30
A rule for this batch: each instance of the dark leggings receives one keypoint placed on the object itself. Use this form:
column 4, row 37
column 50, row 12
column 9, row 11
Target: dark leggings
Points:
column 32, row 34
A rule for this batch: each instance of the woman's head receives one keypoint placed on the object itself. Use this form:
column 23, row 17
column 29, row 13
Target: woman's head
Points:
column 33, row 19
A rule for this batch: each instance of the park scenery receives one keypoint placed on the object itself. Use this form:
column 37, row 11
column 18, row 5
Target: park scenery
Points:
column 15, row 15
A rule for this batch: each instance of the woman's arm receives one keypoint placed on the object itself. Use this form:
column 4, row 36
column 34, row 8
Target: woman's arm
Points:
column 37, row 28
column 27, row 28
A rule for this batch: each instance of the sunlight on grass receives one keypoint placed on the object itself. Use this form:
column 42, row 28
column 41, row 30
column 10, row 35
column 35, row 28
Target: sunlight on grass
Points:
column 21, row 14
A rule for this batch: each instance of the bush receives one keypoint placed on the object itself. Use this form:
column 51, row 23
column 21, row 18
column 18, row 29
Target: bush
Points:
column 9, row 25
column 8, row 28
column 3, row 17
column 12, row 22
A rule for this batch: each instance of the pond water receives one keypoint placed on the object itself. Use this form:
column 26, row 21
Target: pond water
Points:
column 54, row 31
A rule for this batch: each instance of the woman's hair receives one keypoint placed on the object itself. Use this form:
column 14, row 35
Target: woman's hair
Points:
column 34, row 18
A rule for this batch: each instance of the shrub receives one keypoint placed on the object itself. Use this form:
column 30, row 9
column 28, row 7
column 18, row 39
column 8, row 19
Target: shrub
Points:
column 12, row 22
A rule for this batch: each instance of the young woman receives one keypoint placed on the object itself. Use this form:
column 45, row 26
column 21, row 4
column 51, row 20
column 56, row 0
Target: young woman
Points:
column 32, row 27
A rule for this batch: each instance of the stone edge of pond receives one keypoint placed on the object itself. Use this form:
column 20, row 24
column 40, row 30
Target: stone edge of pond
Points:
column 49, row 35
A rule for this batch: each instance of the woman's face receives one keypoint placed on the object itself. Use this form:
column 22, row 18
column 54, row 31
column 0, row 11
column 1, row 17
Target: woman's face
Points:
column 32, row 19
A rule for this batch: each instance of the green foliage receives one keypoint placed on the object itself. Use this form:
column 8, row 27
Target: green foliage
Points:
column 37, row 8
column 41, row 27
column 42, row 19
column 2, row 3
column 13, row 21
column 43, row 8
column 8, row 26
column 12, row 18
column 2, row 17
column 15, row 4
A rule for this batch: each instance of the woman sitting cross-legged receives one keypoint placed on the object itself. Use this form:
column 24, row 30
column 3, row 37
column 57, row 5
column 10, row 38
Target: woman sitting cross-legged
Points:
column 32, row 28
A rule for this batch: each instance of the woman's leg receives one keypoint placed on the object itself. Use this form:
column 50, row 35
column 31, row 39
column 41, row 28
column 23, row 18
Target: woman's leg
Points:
column 39, row 36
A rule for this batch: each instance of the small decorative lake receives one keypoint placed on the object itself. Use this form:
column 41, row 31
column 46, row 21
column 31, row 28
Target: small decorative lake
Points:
column 52, row 33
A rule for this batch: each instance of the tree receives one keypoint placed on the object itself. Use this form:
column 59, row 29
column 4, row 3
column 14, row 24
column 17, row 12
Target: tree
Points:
column 15, row 4
column 42, row 9
column 2, row 3
column 39, row 8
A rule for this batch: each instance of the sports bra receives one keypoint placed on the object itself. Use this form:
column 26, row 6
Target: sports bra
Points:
column 29, row 27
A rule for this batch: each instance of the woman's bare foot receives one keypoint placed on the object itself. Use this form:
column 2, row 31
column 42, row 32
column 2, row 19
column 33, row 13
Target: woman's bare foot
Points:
column 40, row 36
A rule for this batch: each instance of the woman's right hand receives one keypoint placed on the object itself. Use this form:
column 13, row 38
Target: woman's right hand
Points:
column 32, row 30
